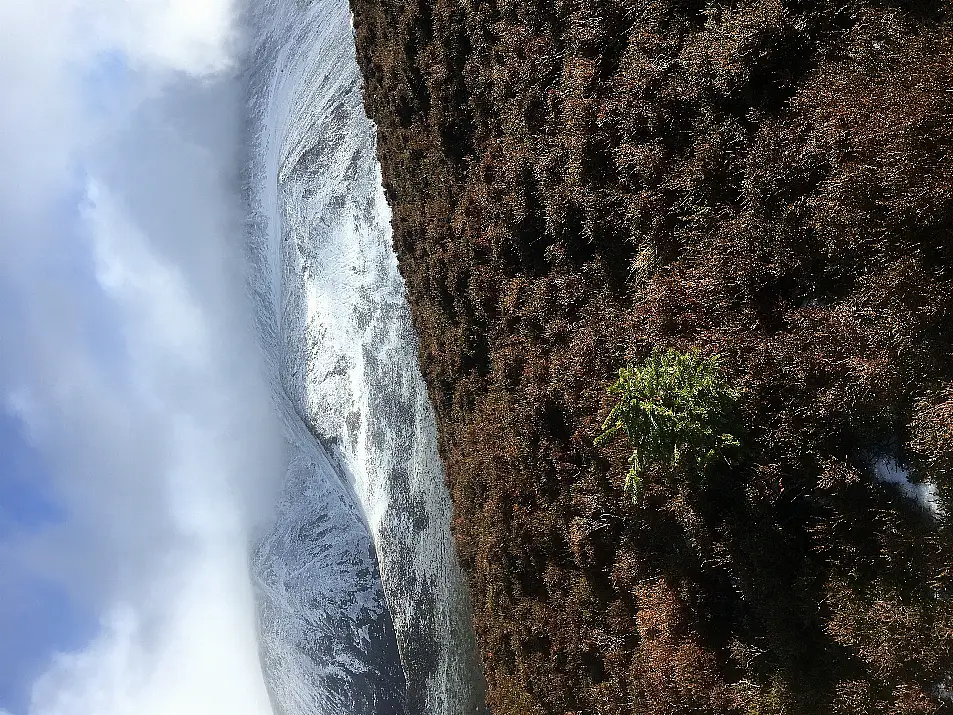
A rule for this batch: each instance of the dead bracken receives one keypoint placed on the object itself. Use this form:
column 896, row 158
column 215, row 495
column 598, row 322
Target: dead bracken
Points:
column 578, row 182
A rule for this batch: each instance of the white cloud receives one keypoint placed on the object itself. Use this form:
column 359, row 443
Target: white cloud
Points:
column 171, row 659
column 198, row 37
column 127, row 350
column 163, row 321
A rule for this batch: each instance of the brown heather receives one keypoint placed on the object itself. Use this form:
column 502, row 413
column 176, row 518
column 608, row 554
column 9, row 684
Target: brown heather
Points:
column 576, row 182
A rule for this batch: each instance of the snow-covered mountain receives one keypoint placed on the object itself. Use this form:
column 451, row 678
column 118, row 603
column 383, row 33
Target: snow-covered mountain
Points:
column 363, row 607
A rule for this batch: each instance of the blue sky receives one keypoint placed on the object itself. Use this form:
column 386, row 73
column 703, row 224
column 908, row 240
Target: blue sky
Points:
column 43, row 617
column 23, row 501
column 136, row 431
column 39, row 616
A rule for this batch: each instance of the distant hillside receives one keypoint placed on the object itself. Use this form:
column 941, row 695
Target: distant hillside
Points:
column 577, row 182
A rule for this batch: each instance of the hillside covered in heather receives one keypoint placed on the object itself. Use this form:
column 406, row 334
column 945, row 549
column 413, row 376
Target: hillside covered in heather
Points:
column 575, row 183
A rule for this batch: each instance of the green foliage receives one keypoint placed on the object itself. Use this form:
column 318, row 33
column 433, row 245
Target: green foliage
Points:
column 676, row 410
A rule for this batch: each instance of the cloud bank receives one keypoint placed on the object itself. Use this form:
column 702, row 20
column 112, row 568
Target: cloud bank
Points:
column 127, row 352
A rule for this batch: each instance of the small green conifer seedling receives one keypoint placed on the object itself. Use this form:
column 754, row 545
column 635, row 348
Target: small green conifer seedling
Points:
column 676, row 410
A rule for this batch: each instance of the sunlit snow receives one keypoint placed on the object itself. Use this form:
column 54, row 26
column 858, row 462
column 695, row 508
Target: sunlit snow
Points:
column 924, row 493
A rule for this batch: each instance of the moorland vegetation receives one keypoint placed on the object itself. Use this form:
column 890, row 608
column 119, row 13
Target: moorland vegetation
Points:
column 578, row 183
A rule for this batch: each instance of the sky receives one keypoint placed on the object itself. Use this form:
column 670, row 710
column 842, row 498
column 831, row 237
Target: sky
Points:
column 138, row 445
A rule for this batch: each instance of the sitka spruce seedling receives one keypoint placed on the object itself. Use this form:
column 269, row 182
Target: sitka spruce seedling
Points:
column 677, row 410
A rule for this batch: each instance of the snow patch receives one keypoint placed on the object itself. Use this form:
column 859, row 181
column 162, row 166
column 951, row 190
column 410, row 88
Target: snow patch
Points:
column 924, row 493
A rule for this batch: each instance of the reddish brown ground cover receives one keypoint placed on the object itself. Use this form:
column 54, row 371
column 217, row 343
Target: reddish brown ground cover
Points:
column 575, row 182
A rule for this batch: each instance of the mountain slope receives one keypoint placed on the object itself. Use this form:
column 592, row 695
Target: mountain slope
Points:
column 575, row 183
column 362, row 604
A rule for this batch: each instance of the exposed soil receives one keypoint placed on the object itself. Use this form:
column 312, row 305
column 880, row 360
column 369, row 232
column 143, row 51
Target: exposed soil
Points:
column 576, row 182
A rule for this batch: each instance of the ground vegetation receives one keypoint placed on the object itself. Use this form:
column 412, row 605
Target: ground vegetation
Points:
column 577, row 183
